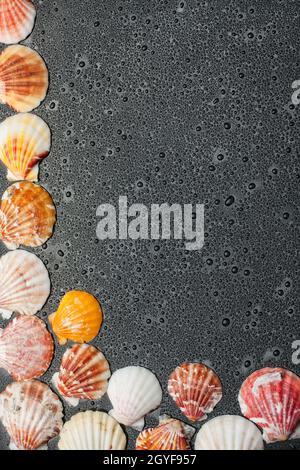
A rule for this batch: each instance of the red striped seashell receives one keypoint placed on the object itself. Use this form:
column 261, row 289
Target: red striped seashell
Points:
column 196, row 390
column 83, row 374
column 16, row 20
column 270, row 397
column 170, row 434
column 26, row 348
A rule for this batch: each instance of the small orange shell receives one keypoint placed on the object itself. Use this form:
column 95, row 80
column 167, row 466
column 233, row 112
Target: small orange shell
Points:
column 78, row 318
column 16, row 20
column 83, row 374
column 170, row 434
column 23, row 78
column 27, row 215
column 196, row 389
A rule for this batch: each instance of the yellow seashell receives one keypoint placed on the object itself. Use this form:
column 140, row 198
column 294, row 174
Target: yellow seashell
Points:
column 78, row 317
column 25, row 140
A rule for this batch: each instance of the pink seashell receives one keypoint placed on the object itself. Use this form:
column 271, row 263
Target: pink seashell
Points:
column 170, row 434
column 26, row 348
column 16, row 20
column 196, row 390
column 270, row 397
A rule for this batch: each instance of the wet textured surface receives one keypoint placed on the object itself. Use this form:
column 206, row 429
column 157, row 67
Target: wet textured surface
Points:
column 185, row 102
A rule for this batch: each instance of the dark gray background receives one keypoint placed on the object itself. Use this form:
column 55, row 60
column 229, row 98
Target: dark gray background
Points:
column 144, row 96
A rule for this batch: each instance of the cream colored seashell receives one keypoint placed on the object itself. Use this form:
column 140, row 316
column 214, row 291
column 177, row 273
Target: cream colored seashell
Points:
column 134, row 392
column 24, row 283
column 25, row 140
column 16, row 20
column 229, row 432
column 92, row 430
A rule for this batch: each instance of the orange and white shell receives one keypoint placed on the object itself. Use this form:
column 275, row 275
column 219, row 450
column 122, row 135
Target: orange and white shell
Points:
column 83, row 374
column 27, row 215
column 26, row 348
column 196, row 390
column 25, row 140
column 23, row 78
column 229, row 432
column 16, row 20
column 170, row 434
column 24, row 283
column 134, row 392
column 31, row 414
column 270, row 397
column 78, row 318
column 92, row 430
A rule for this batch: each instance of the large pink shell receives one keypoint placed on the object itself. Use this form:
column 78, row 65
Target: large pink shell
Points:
column 196, row 389
column 26, row 348
column 31, row 414
column 170, row 434
column 83, row 374
column 270, row 397
column 16, row 20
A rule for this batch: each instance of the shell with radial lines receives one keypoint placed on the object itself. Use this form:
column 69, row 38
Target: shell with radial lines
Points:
column 92, row 430
column 31, row 414
column 26, row 348
column 196, row 390
column 170, row 434
column 16, row 20
column 23, row 78
column 27, row 215
column 24, row 283
column 25, row 140
column 83, row 374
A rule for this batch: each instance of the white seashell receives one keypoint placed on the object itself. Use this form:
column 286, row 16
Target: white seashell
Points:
column 24, row 283
column 229, row 432
column 92, row 430
column 134, row 392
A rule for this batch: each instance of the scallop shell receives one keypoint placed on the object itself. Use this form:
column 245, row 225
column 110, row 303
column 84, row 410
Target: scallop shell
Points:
column 170, row 434
column 16, row 20
column 23, row 78
column 229, row 432
column 25, row 140
column 31, row 413
column 24, row 283
column 27, row 215
column 84, row 374
column 78, row 318
column 270, row 397
column 92, row 430
column 26, row 348
column 133, row 391
column 196, row 390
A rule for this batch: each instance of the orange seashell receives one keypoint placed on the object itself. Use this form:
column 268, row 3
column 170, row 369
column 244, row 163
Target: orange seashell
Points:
column 16, row 20
column 23, row 78
column 170, row 434
column 27, row 215
column 26, row 348
column 270, row 397
column 31, row 413
column 196, row 389
column 83, row 374
column 78, row 317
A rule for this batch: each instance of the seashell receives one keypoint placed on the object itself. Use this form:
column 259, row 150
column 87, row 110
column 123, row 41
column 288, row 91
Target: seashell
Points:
column 170, row 434
column 196, row 390
column 133, row 391
column 24, row 283
column 16, row 20
column 23, row 78
column 27, row 215
column 78, row 317
column 92, row 430
column 26, row 348
column 229, row 432
column 31, row 413
column 84, row 374
column 25, row 140
column 270, row 397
